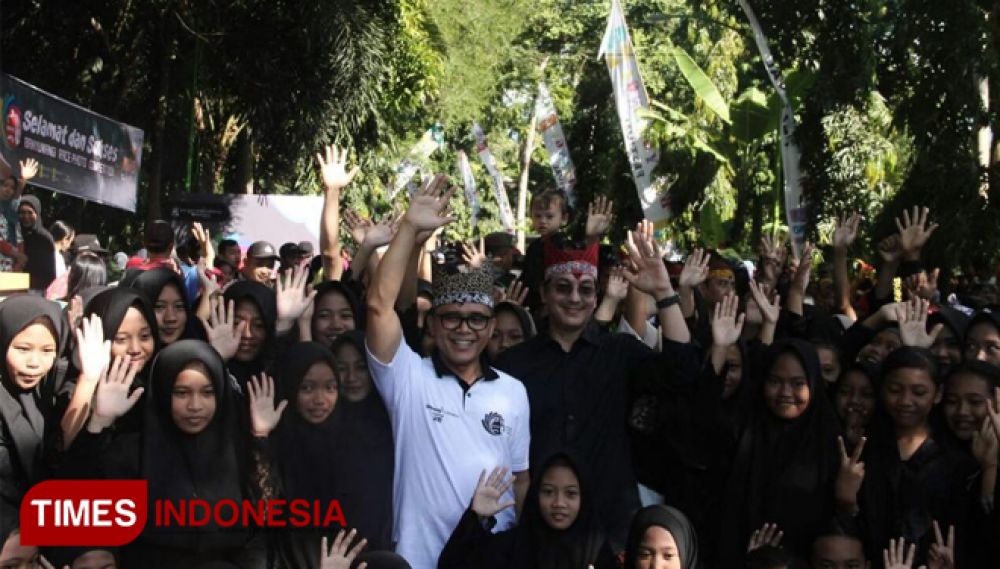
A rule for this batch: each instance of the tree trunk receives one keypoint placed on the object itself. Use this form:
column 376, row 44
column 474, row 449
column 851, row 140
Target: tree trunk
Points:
column 158, row 142
column 985, row 140
column 244, row 177
column 522, row 186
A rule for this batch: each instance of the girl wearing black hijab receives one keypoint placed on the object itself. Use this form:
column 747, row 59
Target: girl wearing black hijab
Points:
column 186, row 451
column 367, row 449
column 127, row 321
column 662, row 537
column 31, row 336
column 558, row 528
column 336, row 310
column 38, row 244
column 165, row 289
column 514, row 325
column 786, row 456
column 255, row 305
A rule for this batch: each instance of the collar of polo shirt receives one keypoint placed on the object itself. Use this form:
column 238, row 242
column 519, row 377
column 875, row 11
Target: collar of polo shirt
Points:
column 442, row 370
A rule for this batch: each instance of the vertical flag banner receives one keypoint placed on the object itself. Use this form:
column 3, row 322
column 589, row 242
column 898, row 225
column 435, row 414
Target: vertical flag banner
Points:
column 469, row 181
column 421, row 151
column 631, row 99
column 499, row 191
column 795, row 205
column 555, row 142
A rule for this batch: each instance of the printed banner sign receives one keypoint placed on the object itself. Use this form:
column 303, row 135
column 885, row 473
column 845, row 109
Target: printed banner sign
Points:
column 499, row 190
column 555, row 143
column 795, row 206
column 631, row 99
column 277, row 219
column 79, row 152
column 469, row 181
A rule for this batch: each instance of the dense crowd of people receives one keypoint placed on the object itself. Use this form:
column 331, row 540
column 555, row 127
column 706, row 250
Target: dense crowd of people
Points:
column 580, row 405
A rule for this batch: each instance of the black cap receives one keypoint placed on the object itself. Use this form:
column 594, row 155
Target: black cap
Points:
column 288, row 250
column 262, row 250
column 159, row 235
column 87, row 242
column 305, row 248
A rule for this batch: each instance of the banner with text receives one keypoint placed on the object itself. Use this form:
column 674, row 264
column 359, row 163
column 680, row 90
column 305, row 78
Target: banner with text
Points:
column 631, row 99
column 469, row 181
column 499, row 190
column 79, row 152
column 555, row 143
column 421, row 151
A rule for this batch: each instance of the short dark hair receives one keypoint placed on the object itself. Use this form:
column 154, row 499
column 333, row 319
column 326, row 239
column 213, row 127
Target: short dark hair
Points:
column 227, row 243
column 87, row 270
column 841, row 526
column 771, row 557
column 909, row 357
column 61, row 230
column 548, row 197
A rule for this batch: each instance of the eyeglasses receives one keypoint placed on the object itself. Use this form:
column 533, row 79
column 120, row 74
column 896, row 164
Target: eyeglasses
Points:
column 586, row 290
column 454, row 320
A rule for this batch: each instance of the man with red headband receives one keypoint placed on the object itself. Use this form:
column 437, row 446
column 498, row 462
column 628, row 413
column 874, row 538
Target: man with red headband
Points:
column 578, row 377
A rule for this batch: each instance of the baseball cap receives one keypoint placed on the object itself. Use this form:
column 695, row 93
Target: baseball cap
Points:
column 305, row 248
column 262, row 250
column 288, row 250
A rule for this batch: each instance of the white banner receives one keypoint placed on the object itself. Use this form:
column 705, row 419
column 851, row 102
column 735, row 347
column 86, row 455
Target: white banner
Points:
column 555, row 143
column 795, row 206
column 410, row 165
column 631, row 98
column 499, row 190
column 469, row 181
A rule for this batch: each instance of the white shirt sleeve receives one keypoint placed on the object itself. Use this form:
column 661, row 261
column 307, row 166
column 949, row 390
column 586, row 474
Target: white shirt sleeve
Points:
column 520, row 439
column 650, row 335
column 395, row 380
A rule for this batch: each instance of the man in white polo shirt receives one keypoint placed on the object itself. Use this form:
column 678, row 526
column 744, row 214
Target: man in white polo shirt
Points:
column 452, row 415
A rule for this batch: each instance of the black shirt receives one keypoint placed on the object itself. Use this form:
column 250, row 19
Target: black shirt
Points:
column 580, row 399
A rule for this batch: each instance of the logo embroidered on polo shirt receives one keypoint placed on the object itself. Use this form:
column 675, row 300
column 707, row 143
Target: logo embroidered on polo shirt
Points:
column 438, row 413
column 493, row 423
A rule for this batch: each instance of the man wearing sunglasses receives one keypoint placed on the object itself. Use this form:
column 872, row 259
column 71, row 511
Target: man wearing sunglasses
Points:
column 453, row 416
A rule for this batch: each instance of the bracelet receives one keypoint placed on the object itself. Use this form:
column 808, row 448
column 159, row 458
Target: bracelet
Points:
column 668, row 301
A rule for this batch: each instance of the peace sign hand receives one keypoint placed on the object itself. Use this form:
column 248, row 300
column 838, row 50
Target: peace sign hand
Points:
column 342, row 554
column 851, row 474
column 942, row 553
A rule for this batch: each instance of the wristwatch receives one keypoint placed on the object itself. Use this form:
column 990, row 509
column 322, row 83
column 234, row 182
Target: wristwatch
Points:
column 668, row 301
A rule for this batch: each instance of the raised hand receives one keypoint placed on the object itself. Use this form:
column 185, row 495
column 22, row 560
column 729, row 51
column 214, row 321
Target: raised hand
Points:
column 772, row 254
column 768, row 534
column 333, row 168
column 922, row 284
column 993, row 409
column 474, row 256
column 726, row 326
column 890, row 250
column 204, row 239
column 648, row 274
column 381, row 233
column 845, row 230
column 208, row 284
column 912, row 318
column 112, row 399
column 489, row 491
column 264, row 416
column 898, row 556
column 914, row 231
column 599, row 217
column 341, row 555
column 93, row 349
column 292, row 297
column 221, row 330
column 357, row 226
column 851, row 474
column 516, row 292
column 617, row 285
column 429, row 205
column 29, row 169
column 942, row 552
column 986, row 446
column 695, row 269
column 769, row 310
column 800, row 279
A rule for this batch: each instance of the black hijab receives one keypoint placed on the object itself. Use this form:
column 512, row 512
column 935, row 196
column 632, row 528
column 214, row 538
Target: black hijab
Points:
column 537, row 545
column 346, row 291
column 111, row 305
column 23, row 412
column 784, row 470
column 151, row 283
column 672, row 520
column 179, row 466
column 308, row 452
column 39, row 247
column 266, row 302
column 522, row 315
